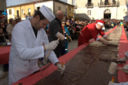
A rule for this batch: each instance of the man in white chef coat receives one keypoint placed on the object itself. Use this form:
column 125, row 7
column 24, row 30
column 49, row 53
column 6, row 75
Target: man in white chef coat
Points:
column 30, row 43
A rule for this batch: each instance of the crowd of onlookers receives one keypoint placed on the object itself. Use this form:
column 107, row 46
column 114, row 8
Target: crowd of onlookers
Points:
column 75, row 26
column 6, row 28
column 71, row 26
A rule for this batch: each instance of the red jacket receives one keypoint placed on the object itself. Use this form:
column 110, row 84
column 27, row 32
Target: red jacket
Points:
column 89, row 32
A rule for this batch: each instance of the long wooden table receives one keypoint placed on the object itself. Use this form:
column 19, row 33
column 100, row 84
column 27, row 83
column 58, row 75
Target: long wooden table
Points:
column 4, row 54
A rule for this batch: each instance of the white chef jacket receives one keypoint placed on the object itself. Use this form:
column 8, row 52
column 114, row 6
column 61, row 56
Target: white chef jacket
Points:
column 25, row 51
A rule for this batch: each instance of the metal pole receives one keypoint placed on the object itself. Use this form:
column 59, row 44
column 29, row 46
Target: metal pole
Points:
column 127, row 10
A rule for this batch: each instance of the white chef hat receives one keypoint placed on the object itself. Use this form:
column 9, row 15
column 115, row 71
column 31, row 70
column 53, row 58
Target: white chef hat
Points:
column 47, row 13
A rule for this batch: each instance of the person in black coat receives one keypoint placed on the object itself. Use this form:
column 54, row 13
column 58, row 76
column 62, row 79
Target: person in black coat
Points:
column 55, row 31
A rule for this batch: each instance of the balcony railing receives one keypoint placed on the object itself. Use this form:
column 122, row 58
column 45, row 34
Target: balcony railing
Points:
column 89, row 5
column 107, row 4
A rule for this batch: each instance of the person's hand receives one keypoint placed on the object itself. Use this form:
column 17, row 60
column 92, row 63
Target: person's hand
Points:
column 126, row 55
column 61, row 67
column 60, row 36
column 125, row 68
column 52, row 45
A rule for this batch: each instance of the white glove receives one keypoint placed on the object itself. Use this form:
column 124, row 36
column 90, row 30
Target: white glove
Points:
column 126, row 54
column 60, row 36
column 125, row 68
column 104, row 36
column 52, row 45
column 103, row 28
column 61, row 67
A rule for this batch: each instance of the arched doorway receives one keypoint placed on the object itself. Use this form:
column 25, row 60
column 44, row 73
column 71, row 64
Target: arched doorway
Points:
column 107, row 14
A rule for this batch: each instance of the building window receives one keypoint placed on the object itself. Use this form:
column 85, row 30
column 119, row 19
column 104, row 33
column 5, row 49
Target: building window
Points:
column 29, row 10
column 89, row 12
column 106, row 2
column 17, row 13
column 89, row 1
column 22, row 11
column 114, row 2
column 10, row 11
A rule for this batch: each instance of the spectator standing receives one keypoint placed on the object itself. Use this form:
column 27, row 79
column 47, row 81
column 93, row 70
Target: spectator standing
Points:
column 55, row 32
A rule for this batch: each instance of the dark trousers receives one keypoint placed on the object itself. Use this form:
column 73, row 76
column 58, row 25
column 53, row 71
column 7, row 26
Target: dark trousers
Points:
column 5, row 67
column 59, row 52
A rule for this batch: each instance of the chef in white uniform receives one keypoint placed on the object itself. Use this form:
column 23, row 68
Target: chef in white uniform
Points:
column 30, row 43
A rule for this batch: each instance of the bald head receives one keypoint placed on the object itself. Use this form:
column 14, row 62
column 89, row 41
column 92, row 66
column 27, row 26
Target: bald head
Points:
column 59, row 15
